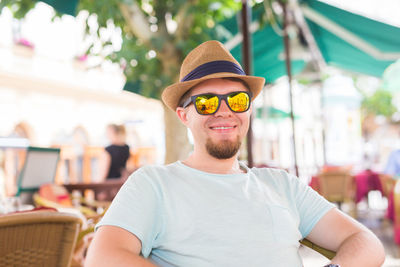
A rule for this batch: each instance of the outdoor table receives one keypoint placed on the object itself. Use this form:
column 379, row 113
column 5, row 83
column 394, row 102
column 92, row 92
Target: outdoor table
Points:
column 104, row 191
column 365, row 181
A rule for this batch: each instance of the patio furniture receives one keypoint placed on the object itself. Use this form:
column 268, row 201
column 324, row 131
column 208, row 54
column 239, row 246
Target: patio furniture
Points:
column 67, row 171
column 91, row 158
column 104, row 191
column 337, row 186
column 38, row 238
column 323, row 251
column 388, row 183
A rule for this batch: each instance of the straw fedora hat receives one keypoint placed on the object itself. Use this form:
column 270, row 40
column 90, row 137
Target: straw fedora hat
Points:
column 208, row 61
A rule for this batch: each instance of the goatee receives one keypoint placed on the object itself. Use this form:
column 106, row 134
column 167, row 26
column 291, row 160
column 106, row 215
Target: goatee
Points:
column 223, row 150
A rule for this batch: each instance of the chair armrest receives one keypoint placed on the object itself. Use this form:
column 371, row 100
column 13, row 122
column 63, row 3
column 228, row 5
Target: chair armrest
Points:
column 323, row 251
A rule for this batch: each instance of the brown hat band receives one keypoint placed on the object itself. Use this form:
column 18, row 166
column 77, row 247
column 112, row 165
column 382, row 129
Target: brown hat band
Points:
column 213, row 67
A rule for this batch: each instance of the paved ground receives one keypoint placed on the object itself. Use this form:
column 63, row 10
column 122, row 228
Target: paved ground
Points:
column 371, row 216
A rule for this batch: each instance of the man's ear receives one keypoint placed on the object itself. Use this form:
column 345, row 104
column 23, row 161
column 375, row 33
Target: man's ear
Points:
column 182, row 115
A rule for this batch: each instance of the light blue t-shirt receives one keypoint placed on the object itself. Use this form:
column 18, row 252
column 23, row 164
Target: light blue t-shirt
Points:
column 186, row 217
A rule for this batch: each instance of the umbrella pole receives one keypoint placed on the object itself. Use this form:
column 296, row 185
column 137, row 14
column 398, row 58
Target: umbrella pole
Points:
column 289, row 74
column 246, row 51
column 318, row 62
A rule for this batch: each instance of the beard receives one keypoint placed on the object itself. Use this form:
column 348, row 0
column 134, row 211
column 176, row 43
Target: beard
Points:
column 223, row 150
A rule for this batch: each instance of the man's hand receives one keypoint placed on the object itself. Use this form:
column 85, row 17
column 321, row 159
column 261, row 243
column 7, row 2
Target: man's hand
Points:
column 114, row 246
column 354, row 244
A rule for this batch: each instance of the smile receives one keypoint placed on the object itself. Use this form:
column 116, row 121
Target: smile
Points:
column 222, row 128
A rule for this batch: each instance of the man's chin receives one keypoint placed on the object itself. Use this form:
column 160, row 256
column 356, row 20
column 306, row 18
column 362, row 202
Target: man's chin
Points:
column 223, row 149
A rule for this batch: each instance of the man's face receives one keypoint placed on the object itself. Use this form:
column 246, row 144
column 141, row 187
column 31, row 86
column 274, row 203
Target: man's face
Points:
column 221, row 133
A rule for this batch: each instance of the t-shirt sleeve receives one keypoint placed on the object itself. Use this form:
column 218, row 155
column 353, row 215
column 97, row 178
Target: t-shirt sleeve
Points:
column 310, row 205
column 108, row 149
column 136, row 208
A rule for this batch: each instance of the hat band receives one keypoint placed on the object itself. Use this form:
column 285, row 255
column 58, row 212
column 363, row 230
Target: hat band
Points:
column 213, row 67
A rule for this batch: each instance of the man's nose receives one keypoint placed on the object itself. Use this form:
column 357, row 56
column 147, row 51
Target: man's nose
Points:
column 223, row 110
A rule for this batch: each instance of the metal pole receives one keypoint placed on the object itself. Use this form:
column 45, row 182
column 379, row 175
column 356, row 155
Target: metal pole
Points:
column 289, row 74
column 247, row 65
column 318, row 61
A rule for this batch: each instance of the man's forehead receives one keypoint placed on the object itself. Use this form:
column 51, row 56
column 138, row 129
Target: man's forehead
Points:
column 218, row 86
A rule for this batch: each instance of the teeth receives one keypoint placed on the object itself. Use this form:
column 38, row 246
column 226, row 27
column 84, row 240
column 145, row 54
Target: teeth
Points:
column 222, row 128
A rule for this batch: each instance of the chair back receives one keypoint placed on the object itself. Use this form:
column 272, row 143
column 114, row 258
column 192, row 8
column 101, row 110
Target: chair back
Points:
column 68, row 166
column 336, row 186
column 39, row 168
column 91, row 159
column 38, row 238
column 388, row 183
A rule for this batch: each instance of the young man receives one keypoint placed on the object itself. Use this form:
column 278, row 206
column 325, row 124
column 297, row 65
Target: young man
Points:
column 212, row 210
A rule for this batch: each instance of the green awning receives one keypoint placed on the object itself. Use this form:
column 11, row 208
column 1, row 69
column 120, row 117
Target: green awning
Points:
column 350, row 41
column 272, row 113
column 346, row 40
column 267, row 47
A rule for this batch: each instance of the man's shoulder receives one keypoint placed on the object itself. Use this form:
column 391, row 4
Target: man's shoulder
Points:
column 155, row 171
column 270, row 172
column 155, row 168
column 273, row 176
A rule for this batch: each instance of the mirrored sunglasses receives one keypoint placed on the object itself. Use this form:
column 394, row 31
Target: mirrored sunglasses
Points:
column 208, row 104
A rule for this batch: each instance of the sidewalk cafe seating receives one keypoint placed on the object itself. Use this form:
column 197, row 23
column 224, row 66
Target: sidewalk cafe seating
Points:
column 57, row 197
column 38, row 238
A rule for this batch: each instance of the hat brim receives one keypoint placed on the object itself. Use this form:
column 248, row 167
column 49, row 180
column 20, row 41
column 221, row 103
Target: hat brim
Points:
column 173, row 93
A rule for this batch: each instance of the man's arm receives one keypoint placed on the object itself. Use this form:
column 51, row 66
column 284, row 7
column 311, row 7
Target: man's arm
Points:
column 104, row 166
column 354, row 244
column 114, row 246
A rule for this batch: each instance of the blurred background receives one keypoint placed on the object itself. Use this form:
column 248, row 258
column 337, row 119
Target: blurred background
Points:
column 70, row 69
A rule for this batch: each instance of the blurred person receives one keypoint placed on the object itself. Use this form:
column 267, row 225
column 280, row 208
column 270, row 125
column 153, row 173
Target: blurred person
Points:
column 113, row 160
column 393, row 164
column 211, row 209
column 79, row 141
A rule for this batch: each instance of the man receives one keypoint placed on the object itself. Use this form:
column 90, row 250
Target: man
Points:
column 212, row 210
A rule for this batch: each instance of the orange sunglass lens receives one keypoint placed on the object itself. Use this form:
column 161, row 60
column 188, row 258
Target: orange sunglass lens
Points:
column 206, row 104
column 239, row 102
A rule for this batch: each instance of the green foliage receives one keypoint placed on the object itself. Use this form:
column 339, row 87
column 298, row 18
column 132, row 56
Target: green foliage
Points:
column 141, row 60
column 380, row 103
column 19, row 7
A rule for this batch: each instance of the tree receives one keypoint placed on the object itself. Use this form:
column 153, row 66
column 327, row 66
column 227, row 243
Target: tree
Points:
column 380, row 103
column 157, row 35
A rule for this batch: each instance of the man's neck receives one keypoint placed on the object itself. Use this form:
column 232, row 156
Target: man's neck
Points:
column 207, row 163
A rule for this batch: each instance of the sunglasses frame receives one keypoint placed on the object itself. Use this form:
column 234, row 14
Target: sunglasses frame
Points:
column 192, row 100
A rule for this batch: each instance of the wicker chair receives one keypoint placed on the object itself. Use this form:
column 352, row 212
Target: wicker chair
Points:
column 388, row 183
column 38, row 238
column 337, row 186
column 329, row 254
